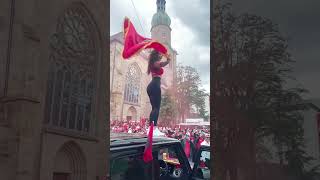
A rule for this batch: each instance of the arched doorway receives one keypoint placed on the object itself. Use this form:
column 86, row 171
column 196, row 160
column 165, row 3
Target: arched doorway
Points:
column 132, row 114
column 70, row 163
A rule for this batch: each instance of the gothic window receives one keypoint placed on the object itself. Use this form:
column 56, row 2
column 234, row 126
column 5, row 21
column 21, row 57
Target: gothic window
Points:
column 132, row 86
column 71, row 77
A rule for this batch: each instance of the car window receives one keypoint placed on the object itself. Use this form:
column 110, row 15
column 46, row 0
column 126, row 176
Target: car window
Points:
column 202, row 170
column 171, row 166
column 130, row 168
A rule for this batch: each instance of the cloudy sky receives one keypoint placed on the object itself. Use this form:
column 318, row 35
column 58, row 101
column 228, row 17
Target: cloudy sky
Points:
column 190, row 24
column 299, row 21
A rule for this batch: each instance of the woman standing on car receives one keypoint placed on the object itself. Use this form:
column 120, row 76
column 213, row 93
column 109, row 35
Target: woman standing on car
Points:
column 154, row 87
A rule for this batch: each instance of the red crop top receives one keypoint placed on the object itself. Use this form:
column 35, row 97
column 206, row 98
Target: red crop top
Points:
column 157, row 72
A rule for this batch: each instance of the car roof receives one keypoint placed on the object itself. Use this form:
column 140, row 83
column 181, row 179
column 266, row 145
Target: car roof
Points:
column 205, row 146
column 124, row 139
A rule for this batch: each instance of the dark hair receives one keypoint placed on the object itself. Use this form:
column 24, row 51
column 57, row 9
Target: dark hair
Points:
column 154, row 57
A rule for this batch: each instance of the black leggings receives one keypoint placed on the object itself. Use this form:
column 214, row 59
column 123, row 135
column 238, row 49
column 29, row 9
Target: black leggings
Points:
column 154, row 93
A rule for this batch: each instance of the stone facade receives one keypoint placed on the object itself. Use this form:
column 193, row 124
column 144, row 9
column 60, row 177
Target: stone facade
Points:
column 34, row 42
column 162, row 33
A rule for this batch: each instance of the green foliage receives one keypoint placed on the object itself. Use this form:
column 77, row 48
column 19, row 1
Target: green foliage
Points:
column 189, row 93
column 168, row 110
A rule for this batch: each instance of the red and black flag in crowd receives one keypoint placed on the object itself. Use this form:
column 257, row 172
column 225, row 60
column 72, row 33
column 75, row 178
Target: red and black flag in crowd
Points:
column 134, row 43
column 147, row 155
column 187, row 148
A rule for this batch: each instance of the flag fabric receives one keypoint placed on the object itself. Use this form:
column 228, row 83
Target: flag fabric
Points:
column 199, row 143
column 134, row 43
column 202, row 164
column 187, row 148
column 147, row 155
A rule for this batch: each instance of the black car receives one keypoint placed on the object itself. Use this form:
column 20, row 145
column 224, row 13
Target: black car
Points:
column 169, row 160
column 201, row 167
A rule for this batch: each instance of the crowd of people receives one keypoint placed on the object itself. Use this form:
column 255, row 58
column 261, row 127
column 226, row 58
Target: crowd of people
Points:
column 191, row 137
column 140, row 127
column 117, row 126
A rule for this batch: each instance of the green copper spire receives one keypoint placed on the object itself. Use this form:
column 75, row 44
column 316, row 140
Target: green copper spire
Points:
column 161, row 17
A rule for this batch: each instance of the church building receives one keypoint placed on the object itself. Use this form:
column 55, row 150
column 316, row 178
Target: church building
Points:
column 129, row 78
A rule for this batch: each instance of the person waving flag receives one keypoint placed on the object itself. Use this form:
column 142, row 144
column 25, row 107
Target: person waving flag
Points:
column 133, row 44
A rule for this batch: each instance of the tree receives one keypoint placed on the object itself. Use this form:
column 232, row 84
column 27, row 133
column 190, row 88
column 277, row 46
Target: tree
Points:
column 189, row 93
column 250, row 102
column 168, row 110
column 199, row 103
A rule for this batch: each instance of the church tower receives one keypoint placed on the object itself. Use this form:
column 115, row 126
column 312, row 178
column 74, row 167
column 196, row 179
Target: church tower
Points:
column 160, row 25
column 161, row 31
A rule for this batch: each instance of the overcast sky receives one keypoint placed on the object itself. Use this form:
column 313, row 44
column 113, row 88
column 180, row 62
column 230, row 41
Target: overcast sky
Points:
column 299, row 21
column 190, row 24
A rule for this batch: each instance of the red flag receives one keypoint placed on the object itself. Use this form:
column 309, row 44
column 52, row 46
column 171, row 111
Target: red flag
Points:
column 147, row 155
column 202, row 164
column 199, row 143
column 187, row 148
column 134, row 43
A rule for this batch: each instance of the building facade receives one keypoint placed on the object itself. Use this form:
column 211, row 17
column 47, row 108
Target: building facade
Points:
column 129, row 78
column 52, row 90
column 311, row 127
